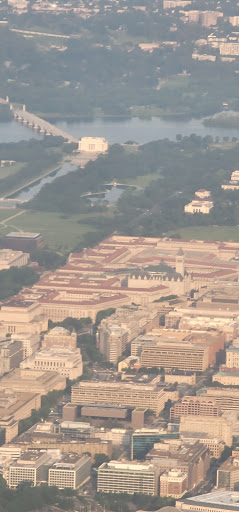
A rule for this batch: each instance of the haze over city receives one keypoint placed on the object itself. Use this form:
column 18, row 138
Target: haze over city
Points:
column 119, row 256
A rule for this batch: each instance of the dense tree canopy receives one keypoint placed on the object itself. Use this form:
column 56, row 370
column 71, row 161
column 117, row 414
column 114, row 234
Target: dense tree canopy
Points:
column 14, row 279
column 183, row 167
column 26, row 498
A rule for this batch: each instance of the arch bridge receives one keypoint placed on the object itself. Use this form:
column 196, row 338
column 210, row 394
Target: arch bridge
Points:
column 41, row 125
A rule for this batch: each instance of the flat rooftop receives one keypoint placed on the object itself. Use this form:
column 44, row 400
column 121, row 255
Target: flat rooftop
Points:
column 228, row 464
column 68, row 461
column 14, row 303
column 228, row 374
column 217, row 499
column 105, row 406
column 22, row 234
column 30, row 457
column 129, row 465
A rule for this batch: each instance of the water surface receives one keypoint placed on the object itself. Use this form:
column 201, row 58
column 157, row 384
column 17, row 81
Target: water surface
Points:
column 121, row 130
column 143, row 130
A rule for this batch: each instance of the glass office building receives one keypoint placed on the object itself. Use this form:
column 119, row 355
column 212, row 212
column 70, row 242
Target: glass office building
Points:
column 143, row 440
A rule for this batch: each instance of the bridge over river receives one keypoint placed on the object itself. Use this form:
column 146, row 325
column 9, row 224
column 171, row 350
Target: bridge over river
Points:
column 39, row 124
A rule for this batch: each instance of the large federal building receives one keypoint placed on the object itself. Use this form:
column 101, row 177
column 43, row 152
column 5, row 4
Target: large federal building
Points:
column 149, row 396
column 217, row 501
column 38, row 381
column 226, row 398
column 22, row 316
column 71, row 471
column 171, row 354
column 63, row 360
column 22, row 241
column 220, row 427
column 30, row 467
column 90, row 281
column 9, row 258
column 195, row 406
column 128, row 477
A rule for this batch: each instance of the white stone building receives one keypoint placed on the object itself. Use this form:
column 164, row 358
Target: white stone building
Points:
column 93, row 145
column 9, row 258
column 30, row 342
column 199, row 206
column 67, row 362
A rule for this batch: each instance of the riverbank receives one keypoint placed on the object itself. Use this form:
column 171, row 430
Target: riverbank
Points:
column 122, row 129
column 142, row 131
column 226, row 119
column 143, row 113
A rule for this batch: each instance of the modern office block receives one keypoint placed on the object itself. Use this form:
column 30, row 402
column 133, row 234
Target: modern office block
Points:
column 31, row 467
column 71, row 471
column 128, row 477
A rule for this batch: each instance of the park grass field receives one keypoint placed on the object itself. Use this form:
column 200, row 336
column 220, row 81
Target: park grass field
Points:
column 8, row 170
column 176, row 81
column 60, row 232
column 221, row 233
column 65, row 232
column 143, row 181
column 5, row 214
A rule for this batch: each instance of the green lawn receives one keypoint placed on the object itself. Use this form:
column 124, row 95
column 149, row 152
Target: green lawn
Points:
column 60, row 232
column 4, row 214
column 223, row 233
column 145, row 180
column 123, row 37
column 176, row 81
column 8, row 170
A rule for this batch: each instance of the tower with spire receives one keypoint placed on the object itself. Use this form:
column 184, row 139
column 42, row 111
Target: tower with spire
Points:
column 180, row 261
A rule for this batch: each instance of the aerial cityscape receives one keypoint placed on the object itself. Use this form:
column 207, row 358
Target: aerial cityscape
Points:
column 119, row 255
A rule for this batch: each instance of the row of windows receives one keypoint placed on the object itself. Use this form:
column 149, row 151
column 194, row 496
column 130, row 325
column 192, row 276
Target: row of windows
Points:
column 20, row 471
column 138, row 393
column 136, row 485
column 49, row 363
column 63, row 313
column 110, row 473
column 55, row 478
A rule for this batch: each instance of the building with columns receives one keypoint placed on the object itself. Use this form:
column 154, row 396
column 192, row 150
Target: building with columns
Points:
column 9, row 258
column 65, row 361
column 93, row 145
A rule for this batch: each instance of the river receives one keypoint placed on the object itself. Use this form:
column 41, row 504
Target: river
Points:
column 143, row 130
column 12, row 131
column 121, row 130
column 115, row 131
